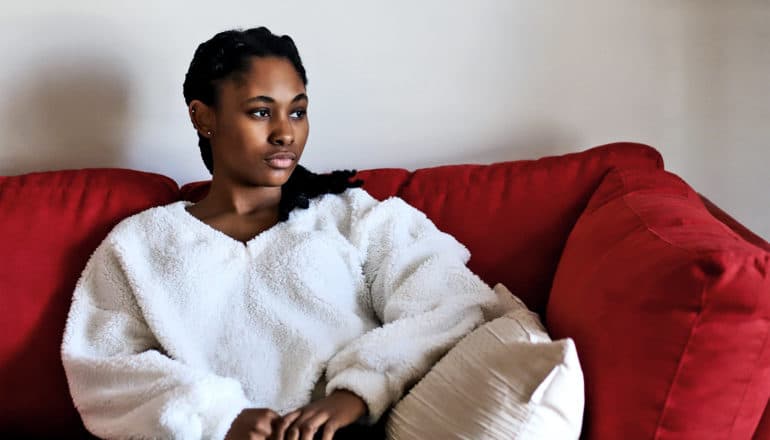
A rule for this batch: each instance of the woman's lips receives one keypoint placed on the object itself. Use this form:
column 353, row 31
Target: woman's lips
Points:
column 281, row 161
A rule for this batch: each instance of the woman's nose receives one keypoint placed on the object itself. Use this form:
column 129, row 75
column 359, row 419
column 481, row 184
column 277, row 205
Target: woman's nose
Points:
column 282, row 134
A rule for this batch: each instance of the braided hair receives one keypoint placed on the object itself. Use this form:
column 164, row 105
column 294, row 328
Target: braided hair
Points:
column 227, row 55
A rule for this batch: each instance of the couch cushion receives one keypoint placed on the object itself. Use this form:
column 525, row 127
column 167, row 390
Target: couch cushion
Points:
column 669, row 310
column 763, row 430
column 50, row 223
column 514, row 217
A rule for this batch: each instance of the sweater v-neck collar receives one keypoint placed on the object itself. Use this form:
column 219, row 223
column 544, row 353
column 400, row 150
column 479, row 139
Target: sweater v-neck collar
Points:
column 207, row 230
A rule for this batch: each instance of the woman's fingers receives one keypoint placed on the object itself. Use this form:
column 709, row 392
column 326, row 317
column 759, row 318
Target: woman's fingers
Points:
column 329, row 429
column 311, row 425
column 283, row 425
column 293, row 430
column 257, row 435
column 264, row 422
column 306, row 426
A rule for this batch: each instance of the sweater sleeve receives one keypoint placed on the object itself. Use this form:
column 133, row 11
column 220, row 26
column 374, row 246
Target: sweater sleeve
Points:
column 421, row 291
column 121, row 382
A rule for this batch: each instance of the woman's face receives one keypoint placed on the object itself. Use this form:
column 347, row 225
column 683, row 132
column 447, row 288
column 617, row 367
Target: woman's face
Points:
column 260, row 124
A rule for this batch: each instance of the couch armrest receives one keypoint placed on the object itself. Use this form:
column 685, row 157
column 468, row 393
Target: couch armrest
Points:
column 670, row 312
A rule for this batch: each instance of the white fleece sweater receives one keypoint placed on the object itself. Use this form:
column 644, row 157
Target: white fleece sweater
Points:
column 176, row 327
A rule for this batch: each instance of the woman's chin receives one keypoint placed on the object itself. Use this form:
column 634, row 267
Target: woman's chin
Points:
column 274, row 176
column 262, row 176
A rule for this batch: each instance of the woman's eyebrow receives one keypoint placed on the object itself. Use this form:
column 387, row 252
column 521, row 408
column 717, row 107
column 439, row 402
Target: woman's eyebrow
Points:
column 271, row 100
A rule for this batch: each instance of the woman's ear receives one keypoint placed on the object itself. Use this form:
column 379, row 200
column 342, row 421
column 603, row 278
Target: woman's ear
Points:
column 202, row 117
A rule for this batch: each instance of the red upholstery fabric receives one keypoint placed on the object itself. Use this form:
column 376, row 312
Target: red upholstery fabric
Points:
column 669, row 310
column 763, row 430
column 194, row 191
column 514, row 217
column 384, row 182
column 50, row 225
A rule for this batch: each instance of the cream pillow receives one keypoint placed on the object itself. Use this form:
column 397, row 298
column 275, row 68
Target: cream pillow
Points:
column 505, row 380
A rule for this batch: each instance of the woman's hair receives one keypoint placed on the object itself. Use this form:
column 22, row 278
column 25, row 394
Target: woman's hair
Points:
column 227, row 55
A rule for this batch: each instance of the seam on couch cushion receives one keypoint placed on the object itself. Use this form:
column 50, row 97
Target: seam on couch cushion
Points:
column 663, row 238
column 748, row 385
column 680, row 364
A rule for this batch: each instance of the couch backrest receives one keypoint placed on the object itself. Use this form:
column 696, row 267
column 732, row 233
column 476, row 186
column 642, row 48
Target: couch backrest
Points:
column 50, row 223
column 515, row 217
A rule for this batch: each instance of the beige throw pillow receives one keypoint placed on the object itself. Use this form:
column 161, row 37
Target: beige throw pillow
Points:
column 505, row 380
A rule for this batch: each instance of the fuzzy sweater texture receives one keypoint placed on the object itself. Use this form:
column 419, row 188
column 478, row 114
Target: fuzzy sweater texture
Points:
column 176, row 327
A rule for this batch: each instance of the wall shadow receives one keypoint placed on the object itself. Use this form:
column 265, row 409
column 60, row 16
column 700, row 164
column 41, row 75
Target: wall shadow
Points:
column 533, row 141
column 69, row 111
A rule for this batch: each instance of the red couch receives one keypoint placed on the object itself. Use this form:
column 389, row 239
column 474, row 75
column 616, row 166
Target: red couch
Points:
column 666, row 296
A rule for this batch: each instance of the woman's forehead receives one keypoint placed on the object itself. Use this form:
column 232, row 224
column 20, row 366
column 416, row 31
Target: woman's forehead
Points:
column 267, row 76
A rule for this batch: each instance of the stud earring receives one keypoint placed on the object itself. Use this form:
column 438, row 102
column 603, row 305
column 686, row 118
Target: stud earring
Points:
column 208, row 132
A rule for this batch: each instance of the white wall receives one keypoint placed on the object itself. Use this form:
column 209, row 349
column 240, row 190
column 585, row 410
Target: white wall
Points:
column 408, row 84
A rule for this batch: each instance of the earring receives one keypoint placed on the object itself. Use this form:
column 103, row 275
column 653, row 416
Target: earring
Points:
column 208, row 132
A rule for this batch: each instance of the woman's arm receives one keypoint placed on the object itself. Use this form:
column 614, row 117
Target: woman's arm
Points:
column 421, row 290
column 121, row 383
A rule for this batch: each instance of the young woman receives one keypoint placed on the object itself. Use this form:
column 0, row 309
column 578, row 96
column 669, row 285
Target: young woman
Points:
column 285, row 304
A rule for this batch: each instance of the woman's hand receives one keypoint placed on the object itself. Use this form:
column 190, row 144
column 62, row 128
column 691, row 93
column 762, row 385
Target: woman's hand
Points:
column 253, row 424
column 333, row 412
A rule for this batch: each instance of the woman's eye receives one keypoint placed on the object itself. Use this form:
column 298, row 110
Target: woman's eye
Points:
column 298, row 114
column 261, row 113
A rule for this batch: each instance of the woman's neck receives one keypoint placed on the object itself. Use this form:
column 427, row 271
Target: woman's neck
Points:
column 233, row 198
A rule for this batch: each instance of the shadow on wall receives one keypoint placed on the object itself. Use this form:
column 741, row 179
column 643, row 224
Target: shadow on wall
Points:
column 69, row 111
column 533, row 140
